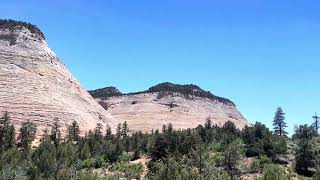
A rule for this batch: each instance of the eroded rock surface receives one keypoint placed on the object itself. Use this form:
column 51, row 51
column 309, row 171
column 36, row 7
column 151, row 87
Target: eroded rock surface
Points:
column 36, row 86
column 183, row 106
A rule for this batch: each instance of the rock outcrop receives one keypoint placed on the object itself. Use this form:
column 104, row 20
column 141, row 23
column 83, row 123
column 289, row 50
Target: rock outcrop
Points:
column 36, row 86
column 105, row 92
column 185, row 106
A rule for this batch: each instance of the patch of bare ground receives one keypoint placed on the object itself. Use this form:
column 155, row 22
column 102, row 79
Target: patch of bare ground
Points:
column 244, row 166
column 251, row 176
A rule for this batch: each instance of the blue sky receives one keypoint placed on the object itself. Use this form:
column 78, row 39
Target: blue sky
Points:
column 260, row 54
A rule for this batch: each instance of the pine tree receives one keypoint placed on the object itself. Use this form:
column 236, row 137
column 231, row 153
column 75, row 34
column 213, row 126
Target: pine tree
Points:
column 4, row 123
column 279, row 123
column 98, row 132
column 117, row 151
column 229, row 132
column 9, row 137
column 305, row 156
column 208, row 124
column 127, row 144
column 161, row 148
column 7, row 133
column 125, row 130
column 119, row 131
column 74, row 131
column 135, row 146
column 164, row 129
column 85, row 151
column 55, row 132
column 108, row 133
column 232, row 155
column 44, row 157
column 28, row 133
column 170, row 129
column 304, row 132
column 208, row 131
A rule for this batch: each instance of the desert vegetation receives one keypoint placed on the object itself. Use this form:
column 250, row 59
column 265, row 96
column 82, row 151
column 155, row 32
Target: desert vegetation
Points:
column 105, row 92
column 17, row 25
column 205, row 152
column 164, row 89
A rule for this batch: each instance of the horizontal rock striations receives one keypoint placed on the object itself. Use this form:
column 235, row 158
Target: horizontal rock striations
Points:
column 185, row 106
column 36, row 86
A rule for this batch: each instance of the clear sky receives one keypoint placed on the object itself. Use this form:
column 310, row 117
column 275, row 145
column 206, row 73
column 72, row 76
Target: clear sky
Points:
column 260, row 54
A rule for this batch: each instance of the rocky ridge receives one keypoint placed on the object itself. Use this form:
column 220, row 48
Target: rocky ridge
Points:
column 185, row 106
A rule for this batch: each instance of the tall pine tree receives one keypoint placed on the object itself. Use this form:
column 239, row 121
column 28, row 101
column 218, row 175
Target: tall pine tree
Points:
column 7, row 133
column 125, row 136
column 279, row 123
column 10, row 137
column 28, row 132
column 98, row 135
column 119, row 131
column 125, row 130
column 73, row 132
column 108, row 133
column 55, row 132
column 305, row 157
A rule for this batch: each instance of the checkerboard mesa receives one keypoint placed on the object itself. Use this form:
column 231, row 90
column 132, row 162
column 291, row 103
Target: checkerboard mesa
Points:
column 36, row 86
column 184, row 106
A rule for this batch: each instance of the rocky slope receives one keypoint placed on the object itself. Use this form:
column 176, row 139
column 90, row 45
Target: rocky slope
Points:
column 36, row 86
column 185, row 106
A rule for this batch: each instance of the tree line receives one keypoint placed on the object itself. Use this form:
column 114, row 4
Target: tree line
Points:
column 205, row 152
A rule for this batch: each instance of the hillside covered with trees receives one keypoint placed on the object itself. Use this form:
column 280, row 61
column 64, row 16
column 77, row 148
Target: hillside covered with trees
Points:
column 164, row 89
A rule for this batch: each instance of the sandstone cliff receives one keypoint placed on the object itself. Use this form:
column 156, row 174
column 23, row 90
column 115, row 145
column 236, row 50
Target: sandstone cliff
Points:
column 185, row 106
column 36, row 86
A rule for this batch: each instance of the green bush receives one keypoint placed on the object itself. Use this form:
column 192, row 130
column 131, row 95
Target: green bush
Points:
column 259, row 163
column 88, row 163
column 96, row 162
column 11, row 156
column 316, row 176
column 214, row 173
column 125, row 158
column 274, row 172
column 88, row 175
column 100, row 162
column 130, row 170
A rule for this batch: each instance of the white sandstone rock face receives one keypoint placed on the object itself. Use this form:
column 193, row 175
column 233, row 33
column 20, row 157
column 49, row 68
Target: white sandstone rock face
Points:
column 146, row 111
column 36, row 86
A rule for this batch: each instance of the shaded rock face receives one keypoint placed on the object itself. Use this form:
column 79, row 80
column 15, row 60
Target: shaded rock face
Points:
column 150, row 109
column 36, row 86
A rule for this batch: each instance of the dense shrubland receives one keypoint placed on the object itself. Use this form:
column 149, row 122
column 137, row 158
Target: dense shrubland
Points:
column 206, row 152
